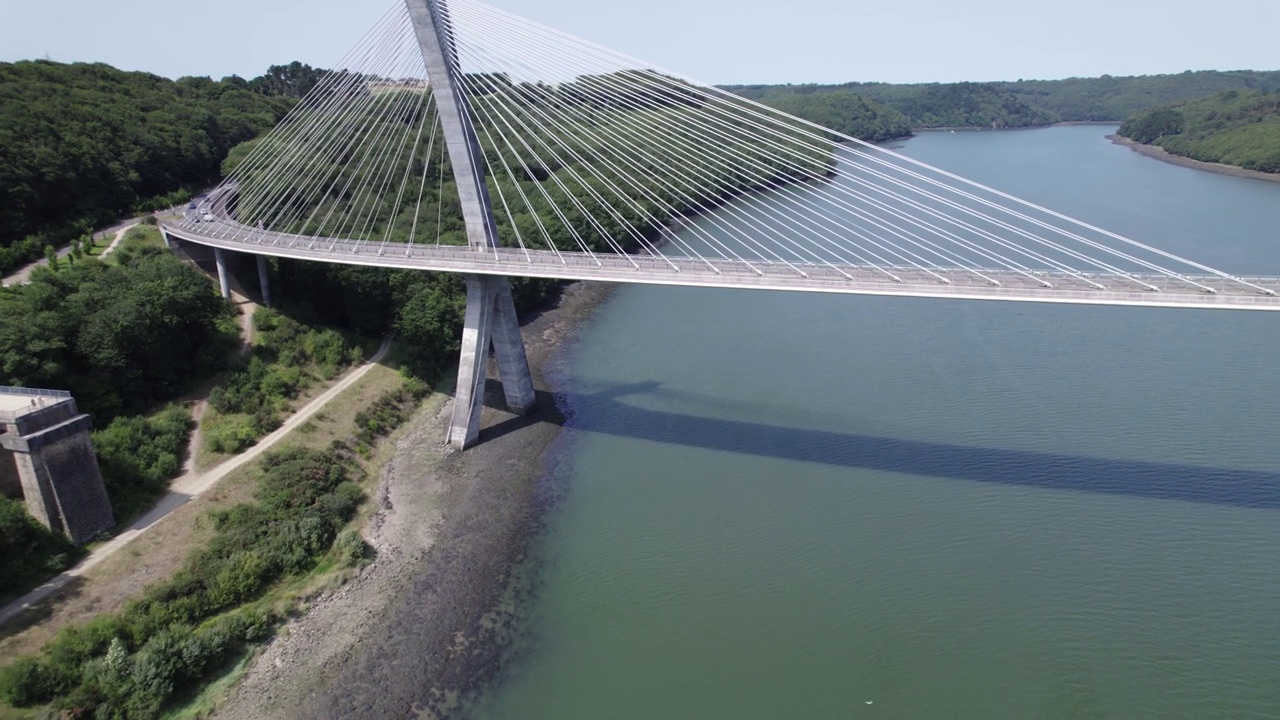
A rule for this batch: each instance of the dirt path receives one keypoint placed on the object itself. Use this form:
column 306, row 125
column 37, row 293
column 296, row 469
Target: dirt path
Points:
column 116, row 241
column 22, row 274
column 187, row 487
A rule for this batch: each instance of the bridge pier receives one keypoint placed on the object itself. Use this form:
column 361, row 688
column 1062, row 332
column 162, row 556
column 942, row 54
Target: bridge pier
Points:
column 490, row 320
column 224, row 279
column 262, row 280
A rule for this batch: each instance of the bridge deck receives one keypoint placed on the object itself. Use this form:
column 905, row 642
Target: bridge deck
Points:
column 987, row 284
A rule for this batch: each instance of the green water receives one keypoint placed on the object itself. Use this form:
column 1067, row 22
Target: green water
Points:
column 782, row 505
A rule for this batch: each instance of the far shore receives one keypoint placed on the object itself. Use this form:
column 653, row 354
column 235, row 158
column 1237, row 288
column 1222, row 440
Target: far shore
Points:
column 984, row 128
column 1159, row 153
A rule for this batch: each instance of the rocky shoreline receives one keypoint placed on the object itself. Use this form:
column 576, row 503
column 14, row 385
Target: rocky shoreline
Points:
column 428, row 620
column 1159, row 153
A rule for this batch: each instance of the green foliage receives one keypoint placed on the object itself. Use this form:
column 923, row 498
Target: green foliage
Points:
column 121, row 337
column 388, row 412
column 294, row 80
column 30, row 553
column 1150, row 127
column 139, row 455
column 87, row 143
column 1235, row 128
column 129, row 664
column 1114, row 99
column 843, row 112
column 230, row 434
column 924, row 106
column 286, row 358
column 350, row 547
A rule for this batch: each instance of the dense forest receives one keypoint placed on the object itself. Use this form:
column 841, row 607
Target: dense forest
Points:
column 1028, row 103
column 84, row 144
column 121, row 337
column 1235, row 128
column 845, row 113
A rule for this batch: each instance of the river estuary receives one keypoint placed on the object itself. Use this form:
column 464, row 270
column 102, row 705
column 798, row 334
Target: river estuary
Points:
column 787, row 505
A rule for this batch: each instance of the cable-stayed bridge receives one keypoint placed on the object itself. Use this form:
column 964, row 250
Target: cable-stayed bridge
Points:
column 457, row 137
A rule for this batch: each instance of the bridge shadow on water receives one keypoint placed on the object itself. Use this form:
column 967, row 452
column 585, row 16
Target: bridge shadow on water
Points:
column 606, row 413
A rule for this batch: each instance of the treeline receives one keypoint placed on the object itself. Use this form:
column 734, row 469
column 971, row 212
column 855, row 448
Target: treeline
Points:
column 1234, row 128
column 1029, row 103
column 85, row 144
column 845, row 113
column 922, row 106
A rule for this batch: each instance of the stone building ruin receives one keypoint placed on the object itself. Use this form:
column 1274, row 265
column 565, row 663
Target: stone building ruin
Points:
column 47, row 458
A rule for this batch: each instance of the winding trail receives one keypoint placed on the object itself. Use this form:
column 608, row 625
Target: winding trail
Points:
column 22, row 274
column 189, row 486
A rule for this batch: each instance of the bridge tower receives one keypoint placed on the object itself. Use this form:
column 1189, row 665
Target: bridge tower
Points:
column 491, row 314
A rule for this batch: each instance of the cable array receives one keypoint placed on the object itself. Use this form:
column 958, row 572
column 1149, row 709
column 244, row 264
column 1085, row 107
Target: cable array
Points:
column 591, row 154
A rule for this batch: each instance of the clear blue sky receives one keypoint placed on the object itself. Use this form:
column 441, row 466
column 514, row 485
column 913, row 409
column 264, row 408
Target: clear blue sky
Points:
column 718, row 41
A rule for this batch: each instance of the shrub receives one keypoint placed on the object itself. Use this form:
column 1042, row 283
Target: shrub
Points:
column 27, row 682
column 350, row 547
column 228, row 433
column 139, row 455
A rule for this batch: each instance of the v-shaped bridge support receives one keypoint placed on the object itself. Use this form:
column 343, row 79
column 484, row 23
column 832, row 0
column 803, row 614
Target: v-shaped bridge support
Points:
column 491, row 318
column 491, row 315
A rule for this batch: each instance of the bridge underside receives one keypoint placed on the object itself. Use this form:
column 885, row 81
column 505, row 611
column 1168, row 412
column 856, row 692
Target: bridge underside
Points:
column 986, row 284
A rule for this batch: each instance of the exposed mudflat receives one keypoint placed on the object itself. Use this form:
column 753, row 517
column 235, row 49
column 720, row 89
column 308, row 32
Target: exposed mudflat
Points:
column 425, row 622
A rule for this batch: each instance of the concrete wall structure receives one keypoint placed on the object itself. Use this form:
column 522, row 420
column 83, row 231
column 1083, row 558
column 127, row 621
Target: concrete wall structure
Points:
column 48, row 440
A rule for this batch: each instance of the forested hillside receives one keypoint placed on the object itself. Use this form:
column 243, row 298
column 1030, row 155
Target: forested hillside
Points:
column 82, row 144
column 1027, row 103
column 843, row 112
column 1235, row 128
column 1110, row 98
column 923, row 106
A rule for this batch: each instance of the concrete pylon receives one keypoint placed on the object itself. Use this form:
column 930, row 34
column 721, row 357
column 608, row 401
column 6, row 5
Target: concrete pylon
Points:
column 490, row 319
column 224, row 278
column 491, row 315
column 262, row 280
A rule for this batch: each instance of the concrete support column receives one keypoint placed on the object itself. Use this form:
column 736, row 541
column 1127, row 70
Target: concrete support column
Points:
column 508, row 345
column 490, row 318
column 224, row 280
column 165, row 236
column 473, row 365
column 262, row 280
column 491, row 315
